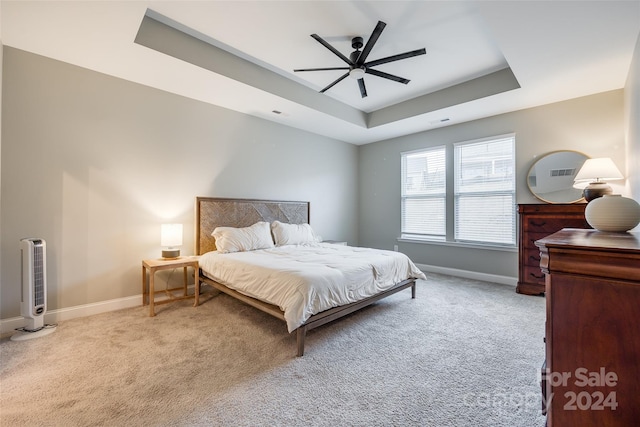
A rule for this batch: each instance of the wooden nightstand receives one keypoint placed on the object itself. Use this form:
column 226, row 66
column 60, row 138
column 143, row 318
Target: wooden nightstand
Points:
column 153, row 265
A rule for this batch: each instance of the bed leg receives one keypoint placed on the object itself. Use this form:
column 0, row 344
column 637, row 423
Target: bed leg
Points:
column 301, row 334
column 413, row 291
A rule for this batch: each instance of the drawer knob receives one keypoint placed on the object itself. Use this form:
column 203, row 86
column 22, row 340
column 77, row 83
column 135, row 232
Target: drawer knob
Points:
column 535, row 258
column 536, row 276
column 538, row 224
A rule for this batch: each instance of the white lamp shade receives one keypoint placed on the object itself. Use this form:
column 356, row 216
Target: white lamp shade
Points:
column 582, row 184
column 171, row 235
column 601, row 169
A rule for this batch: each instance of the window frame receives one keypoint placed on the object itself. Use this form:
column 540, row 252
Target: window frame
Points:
column 511, row 193
column 451, row 199
column 404, row 197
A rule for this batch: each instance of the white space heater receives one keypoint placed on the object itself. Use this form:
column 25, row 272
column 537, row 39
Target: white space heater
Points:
column 33, row 260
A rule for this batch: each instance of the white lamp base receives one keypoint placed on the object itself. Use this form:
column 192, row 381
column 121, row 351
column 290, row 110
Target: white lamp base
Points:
column 170, row 253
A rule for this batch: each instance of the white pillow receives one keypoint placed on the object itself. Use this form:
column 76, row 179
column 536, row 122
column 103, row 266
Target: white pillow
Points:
column 292, row 234
column 232, row 239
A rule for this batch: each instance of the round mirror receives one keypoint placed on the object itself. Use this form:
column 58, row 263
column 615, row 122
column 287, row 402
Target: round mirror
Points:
column 550, row 178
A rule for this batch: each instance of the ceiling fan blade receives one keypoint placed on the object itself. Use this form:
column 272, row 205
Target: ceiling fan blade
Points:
column 363, row 89
column 338, row 80
column 386, row 76
column 322, row 69
column 331, row 48
column 372, row 41
column 396, row 57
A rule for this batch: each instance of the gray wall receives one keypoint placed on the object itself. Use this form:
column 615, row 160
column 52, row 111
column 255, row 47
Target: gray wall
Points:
column 632, row 117
column 94, row 165
column 592, row 125
column 1, row 61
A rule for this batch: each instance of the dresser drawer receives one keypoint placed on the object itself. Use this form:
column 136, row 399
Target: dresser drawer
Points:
column 551, row 225
column 538, row 221
column 532, row 257
column 529, row 239
column 533, row 274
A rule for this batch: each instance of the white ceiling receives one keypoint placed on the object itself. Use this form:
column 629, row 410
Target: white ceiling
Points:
column 556, row 50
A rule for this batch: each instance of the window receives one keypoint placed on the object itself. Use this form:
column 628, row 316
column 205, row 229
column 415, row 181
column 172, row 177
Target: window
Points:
column 484, row 191
column 424, row 194
column 482, row 186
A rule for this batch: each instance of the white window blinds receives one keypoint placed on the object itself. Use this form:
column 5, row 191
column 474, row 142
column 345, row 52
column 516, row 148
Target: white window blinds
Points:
column 484, row 191
column 424, row 194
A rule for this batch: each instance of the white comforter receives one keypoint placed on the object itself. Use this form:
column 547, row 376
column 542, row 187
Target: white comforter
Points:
column 306, row 279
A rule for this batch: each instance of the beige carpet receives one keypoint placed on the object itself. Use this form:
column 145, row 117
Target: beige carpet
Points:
column 464, row 353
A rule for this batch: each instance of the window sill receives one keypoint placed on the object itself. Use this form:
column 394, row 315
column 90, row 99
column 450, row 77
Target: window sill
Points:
column 459, row 244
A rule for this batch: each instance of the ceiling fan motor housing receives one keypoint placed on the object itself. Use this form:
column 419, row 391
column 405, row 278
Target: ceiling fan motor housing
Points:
column 357, row 42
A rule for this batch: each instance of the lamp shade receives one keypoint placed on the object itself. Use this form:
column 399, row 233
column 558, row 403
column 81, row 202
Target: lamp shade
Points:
column 171, row 235
column 593, row 177
column 598, row 170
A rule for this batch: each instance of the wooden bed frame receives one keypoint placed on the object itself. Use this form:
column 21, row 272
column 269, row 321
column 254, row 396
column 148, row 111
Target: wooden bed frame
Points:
column 214, row 212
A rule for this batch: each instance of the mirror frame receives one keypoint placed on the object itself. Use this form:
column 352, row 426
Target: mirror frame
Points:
column 546, row 156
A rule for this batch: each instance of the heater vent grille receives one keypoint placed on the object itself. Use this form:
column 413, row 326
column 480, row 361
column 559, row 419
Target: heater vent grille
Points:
column 563, row 172
column 38, row 276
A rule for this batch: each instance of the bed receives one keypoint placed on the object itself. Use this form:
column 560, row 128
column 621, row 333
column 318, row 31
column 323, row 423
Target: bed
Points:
column 291, row 274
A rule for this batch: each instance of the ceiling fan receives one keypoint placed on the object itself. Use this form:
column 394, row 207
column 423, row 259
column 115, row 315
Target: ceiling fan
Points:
column 357, row 66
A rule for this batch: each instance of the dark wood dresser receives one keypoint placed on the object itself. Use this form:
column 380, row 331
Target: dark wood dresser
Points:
column 592, row 375
column 536, row 222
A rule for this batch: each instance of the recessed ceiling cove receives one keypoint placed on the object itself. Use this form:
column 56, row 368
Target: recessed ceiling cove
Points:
column 483, row 57
column 172, row 38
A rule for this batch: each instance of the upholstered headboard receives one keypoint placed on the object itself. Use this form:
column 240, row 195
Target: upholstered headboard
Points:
column 214, row 212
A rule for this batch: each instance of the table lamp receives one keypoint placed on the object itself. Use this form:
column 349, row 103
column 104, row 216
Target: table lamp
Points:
column 170, row 236
column 594, row 173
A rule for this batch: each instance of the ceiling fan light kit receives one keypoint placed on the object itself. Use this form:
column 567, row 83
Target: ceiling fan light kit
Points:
column 357, row 65
column 357, row 73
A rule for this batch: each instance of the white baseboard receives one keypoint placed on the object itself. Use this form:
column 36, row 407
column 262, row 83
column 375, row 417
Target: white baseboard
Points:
column 8, row 326
column 504, row 280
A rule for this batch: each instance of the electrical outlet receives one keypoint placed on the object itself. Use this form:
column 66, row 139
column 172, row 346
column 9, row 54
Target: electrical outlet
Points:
column 395, row 248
